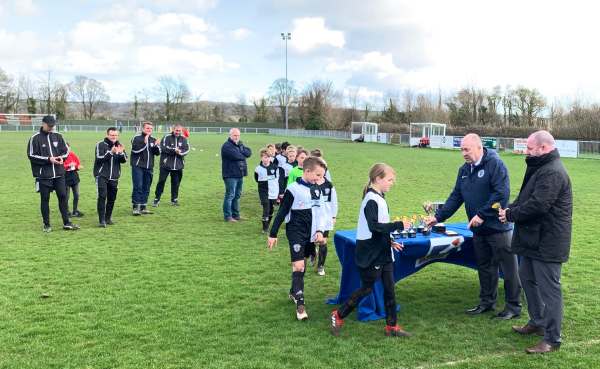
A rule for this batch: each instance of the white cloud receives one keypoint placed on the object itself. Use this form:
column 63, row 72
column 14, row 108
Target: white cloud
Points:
column 25, row 7
column 102, row 35
column 194, row 40
column 15, row 57
column 170, row 23
column 381, row 65
column 311, row 33
column 189, row 5
column 166, row 60
column 240, row 34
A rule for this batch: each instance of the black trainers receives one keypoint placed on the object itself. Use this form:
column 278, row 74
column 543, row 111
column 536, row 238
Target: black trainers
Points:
column 155, row 203
column 174, row 203
column 77, row 214
column 110, row 222
column 70, row 227
column 102, row 225
column 144, row 211
column 47, row 228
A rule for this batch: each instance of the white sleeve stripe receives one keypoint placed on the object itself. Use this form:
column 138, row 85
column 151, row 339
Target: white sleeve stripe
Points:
column 31, row 150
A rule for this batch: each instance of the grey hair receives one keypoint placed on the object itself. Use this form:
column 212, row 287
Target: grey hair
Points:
column 475, row 137
column 543, row 137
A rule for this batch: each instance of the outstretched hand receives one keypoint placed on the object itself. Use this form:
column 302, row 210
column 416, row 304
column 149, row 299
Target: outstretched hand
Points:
column 397, row 246
column 271, row 242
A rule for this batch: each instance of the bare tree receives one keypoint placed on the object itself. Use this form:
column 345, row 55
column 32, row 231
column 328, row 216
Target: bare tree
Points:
column 175, row 93
column 408, row 101
column 241, row 108
column 315, row 104
column 281, row 94
column 28, row 89
column 261, row 108
column 530, row 103
column 8, row 93
column 90, row 93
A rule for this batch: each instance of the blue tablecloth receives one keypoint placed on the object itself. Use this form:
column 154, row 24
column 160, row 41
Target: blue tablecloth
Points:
column 418, row 252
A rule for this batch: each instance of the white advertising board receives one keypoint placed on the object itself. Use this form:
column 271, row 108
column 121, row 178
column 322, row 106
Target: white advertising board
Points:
column 567, row 149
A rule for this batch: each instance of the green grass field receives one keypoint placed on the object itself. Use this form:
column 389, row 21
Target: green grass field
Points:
column 182, row 289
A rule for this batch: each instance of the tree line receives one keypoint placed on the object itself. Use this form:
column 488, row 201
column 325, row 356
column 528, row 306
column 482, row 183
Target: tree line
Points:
column 318, row 105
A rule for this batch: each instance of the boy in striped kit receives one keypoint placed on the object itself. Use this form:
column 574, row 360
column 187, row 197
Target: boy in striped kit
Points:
column 304, row 225
column 271, row 184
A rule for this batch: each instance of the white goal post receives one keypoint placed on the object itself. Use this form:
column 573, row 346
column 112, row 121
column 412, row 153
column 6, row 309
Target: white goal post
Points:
column 19, row 120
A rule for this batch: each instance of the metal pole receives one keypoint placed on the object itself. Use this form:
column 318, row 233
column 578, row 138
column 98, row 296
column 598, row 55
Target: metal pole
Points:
column 287, row 98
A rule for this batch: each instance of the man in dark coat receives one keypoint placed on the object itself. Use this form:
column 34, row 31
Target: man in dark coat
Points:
column 46, row 151
column 234, row 168
column 542, row 214
column 481, row 183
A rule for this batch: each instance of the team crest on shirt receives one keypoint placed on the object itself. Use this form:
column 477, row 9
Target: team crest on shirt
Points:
column 317, row 192
column 481, row 173
column 55, row 143
column 326, row 191
column 43, row 145
column 179, row 143
column 296, row 247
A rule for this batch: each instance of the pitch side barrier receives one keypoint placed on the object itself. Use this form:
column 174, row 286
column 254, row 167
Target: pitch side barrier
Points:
column 567, row 148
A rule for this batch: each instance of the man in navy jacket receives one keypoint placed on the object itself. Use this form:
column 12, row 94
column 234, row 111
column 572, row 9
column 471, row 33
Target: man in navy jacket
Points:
column 234, row 168
column 482, row 182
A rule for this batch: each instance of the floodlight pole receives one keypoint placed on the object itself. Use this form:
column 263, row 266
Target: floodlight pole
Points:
column 286, row 37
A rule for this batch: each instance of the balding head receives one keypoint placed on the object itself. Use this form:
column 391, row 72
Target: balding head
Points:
column 234, row 135
column 540, row 143
column 471, row 148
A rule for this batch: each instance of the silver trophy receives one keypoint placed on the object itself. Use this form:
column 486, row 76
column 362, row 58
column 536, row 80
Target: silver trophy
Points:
column 431, row 207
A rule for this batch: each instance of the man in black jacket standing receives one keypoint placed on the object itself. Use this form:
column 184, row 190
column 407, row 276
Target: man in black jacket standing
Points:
column 542, row 214
column 107, row 170
column 46, row 151
column 174, row 147
column 482, row 182
column 143, row 149
column 233, row 168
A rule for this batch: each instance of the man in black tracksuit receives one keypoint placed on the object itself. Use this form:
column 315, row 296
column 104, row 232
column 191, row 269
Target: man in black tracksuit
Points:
column 543, row 216
column 46, row 151
column 174, row 147
column 143, row 149
column 107, row 170
column 482, row 182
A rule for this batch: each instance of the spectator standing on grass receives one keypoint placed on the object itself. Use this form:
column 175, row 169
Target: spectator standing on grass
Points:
column 174, row 147
column 233, row 170
column 543, row 215
column 47, row 151
column 144, row 148
column 72, row 167
column 482, row 182
column 109, row 155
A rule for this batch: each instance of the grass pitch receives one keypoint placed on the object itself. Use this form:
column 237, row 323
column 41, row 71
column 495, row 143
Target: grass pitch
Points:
column 182, row 289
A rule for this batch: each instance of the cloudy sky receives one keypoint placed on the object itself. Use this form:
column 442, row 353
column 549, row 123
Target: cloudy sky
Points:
column 223, row 48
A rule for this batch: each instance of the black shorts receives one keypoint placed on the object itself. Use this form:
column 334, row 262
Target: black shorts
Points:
column 301, row 250
column 71, row 178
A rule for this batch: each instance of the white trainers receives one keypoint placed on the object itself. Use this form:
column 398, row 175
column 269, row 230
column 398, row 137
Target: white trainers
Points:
column 301, row 313
column 321, row 271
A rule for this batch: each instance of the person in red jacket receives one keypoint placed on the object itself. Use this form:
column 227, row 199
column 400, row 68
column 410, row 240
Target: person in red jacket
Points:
column 72, row 166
